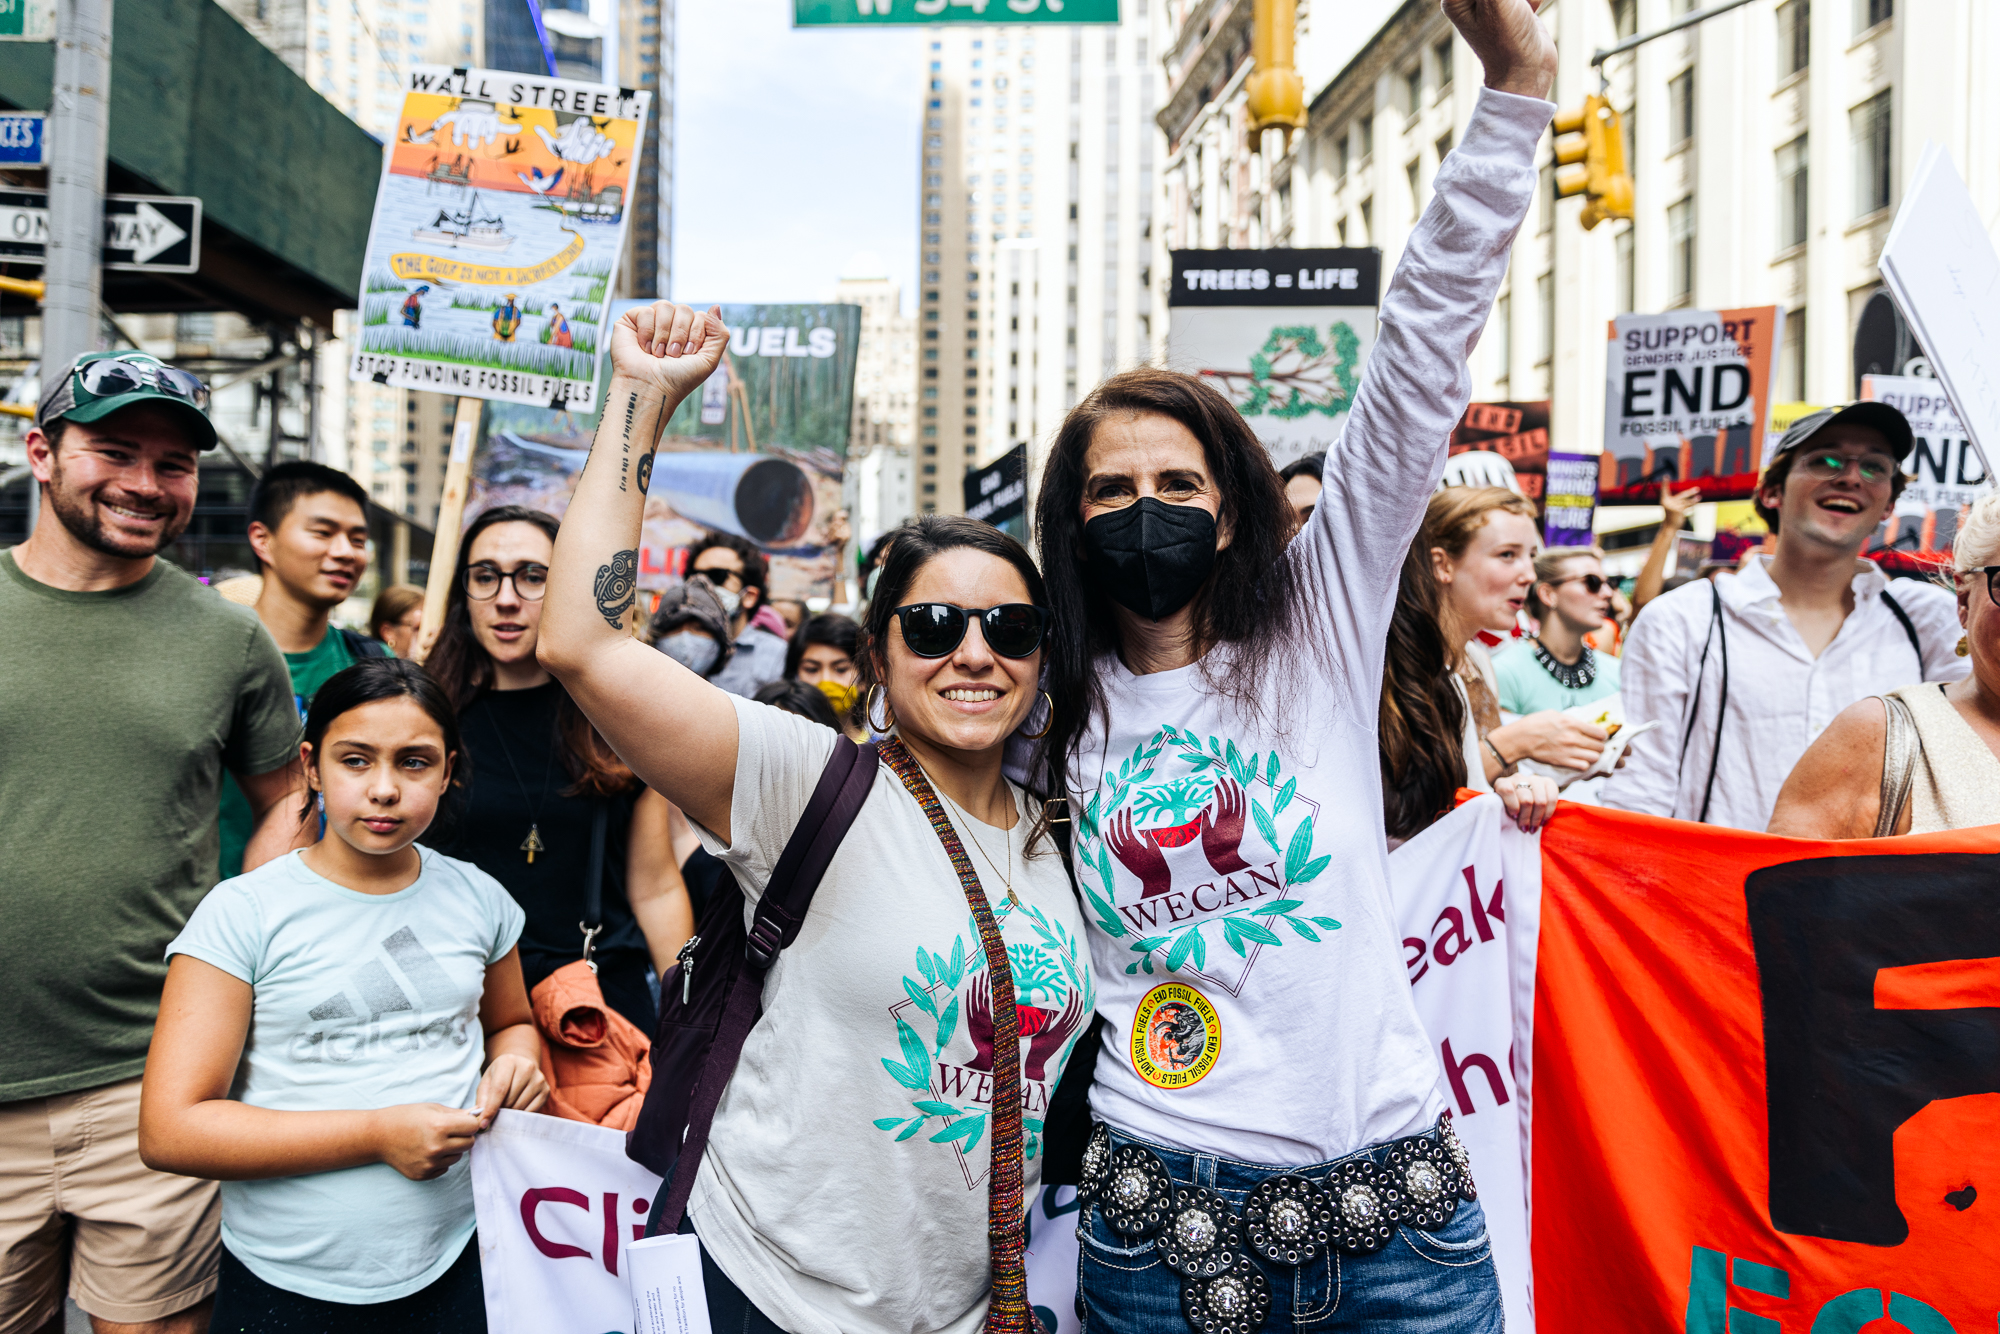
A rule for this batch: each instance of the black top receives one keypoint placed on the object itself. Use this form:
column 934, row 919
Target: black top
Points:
column 492, row 815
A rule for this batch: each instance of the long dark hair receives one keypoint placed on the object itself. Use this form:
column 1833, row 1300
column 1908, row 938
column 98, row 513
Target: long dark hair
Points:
column 1421, row 730
column 917, row 544
column 829, row 628
column 373, row 679
column 462, row 666
column 1251, row 597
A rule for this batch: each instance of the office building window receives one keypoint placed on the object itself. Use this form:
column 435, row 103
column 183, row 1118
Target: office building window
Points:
column 1624, row 18
column 1794, row 36
column 1792, row 194
column 1868, row 13
column 1870, row 124
column 1792, row 358
column 1367, row 137
column 1680, row 108
column 1443, row 51
column 1413, row 172
column 1545, row 300
column 1546, row 220
column 1413, row 85
column 1680, row 251
column 1367, row 222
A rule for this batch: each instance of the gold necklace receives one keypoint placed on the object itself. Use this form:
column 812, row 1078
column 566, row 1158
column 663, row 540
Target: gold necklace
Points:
column 1006, row 876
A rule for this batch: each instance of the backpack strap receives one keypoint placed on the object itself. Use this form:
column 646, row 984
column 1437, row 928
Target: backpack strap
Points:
column 592, row 924
column 1909, row 630
column 844, row 785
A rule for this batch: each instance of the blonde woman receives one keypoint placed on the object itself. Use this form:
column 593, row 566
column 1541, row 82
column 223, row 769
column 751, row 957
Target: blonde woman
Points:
column 1923, row 757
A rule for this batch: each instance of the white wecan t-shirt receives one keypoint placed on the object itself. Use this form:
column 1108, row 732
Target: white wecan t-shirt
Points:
column 1250, row 972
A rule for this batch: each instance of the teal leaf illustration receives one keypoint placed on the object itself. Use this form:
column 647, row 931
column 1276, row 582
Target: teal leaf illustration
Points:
column 920, row 998
column 925, row 967
column 1237, row 768
column 1284, row 795
column 1326, row 922
column 1030, row 1123
column 1310, row 871
column 1182, row 948
column 1265, row 825
column 1148, row 945
column 916, row 1124
column 1271, row 775
column 1281, row 906
column 1177, row 800
column 1131, row 968
column 1300, row 850
column 915, row 1077
column 1257, row 931
column 967, row 1128
column 1215, row 747
column 1232, row 933
column 1302, row 928
column 888, row 1122
column 947, row 1024
column 956, row 972
column 1200, row 949
column 915, row 1053
column 931, row 1108
column 1088, row 825
column 1147, row 963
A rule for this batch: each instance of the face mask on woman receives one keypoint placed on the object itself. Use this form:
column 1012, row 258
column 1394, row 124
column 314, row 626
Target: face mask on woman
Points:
column 1151, row 558
column 841, row 697
column 691, row 649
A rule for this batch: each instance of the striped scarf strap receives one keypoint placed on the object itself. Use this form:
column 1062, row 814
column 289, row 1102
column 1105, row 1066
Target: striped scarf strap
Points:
column 1008, row 1311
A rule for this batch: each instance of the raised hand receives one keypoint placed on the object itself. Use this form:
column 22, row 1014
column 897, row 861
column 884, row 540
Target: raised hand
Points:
column 668, row 349
column 1678, row 505
column 1139, row 855
column 979, row 1022
column 1222, row 829
column 1511, row 43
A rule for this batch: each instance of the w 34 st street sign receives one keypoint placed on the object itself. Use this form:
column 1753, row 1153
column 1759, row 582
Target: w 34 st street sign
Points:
column 148, row 233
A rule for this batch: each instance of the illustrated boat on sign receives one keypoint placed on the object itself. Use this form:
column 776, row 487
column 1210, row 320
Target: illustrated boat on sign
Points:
column 471, row 228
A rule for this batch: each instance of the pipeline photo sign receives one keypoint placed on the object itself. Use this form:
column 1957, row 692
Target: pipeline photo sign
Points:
column 498, row 227
column 758, row 452
column 1687, row 394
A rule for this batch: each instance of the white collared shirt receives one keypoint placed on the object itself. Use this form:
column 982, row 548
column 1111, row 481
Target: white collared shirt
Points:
column 1780, row 696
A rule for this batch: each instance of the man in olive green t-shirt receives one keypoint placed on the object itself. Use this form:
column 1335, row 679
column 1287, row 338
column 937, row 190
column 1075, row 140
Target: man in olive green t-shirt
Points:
column 309, row 528
column 130, row 689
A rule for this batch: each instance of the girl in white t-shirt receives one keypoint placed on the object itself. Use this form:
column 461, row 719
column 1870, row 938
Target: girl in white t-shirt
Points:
column 323, row 1031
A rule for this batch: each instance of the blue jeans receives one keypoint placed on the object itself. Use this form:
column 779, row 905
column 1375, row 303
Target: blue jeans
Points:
column 1420, row 1283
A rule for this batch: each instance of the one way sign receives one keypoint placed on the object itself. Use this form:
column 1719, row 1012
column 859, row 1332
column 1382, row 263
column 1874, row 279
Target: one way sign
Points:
column 149, row 233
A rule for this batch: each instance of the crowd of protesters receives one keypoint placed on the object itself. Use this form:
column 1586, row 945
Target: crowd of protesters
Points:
column 220, row 1108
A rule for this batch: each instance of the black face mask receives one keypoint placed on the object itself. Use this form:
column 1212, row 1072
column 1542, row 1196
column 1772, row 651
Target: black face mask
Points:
column 1151, row 558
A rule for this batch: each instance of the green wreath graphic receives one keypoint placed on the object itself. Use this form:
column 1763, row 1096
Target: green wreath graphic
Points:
column 1295, row 374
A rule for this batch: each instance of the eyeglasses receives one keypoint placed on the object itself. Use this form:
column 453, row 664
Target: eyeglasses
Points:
column 482, row 581
column 1592, row 583
column 108, row 377
column 1822, row 467
column 720, row 574
column 935, row 629
column 1992, row 573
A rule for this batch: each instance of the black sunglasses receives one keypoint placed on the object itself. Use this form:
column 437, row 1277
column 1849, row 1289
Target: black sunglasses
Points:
column 108, row 377
column 1592, row 583
column 934, row 629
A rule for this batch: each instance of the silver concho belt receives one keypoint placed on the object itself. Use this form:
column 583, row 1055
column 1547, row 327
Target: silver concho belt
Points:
column 1287, row 1219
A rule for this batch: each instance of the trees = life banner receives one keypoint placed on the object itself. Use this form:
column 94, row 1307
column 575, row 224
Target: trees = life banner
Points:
column 1687, row 394
column 499, row 222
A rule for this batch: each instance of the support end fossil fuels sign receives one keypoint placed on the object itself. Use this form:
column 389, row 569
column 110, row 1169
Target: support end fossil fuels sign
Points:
column 1282, row 333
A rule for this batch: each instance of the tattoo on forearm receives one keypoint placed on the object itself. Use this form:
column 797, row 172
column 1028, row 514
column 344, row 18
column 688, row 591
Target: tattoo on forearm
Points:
column 645, row 474
column 625, row 440
column 618, row 587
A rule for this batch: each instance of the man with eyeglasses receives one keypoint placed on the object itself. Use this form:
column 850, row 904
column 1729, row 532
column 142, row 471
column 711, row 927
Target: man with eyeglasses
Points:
column 1744, row 671
column 309, row 532
column 130, row 689
column 740, row 575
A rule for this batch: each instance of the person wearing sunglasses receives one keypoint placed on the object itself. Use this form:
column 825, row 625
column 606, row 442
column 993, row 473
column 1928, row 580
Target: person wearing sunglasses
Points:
column 537, row 777
column 865, row 1096
column 1744, row 671
column 131, row 690
column 1555, row 668
column 1924, row 757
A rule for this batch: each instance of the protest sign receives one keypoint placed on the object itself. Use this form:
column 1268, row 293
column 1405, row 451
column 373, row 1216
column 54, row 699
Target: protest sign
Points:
column 1944, row 470
column 1282, row 333
column 558, row 1203
column 1517, row 432
column 1940, row 265
column 499, row 223
column 998, row 493
column 758, row 452
column 1569, row 500
column 1687, row 394
column 1764, row 1079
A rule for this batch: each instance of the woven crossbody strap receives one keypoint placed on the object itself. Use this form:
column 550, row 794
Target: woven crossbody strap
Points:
column 1008, row 1311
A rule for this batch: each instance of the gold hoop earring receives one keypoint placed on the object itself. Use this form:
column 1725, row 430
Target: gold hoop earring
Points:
column 888, row 713
column 1964, row 649
column 1037, row 736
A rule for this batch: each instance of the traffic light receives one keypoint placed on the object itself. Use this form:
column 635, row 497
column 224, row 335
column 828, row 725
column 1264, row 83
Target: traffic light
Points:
column 1590, row 148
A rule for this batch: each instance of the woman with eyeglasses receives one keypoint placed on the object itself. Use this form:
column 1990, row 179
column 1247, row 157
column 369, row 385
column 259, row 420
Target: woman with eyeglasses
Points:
column 913, row 1032
column 1556, row 668
column 1923, row 757
column 535, row 776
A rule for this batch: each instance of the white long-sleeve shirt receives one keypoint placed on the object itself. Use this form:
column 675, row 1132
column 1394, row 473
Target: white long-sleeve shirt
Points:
column 1780, row 696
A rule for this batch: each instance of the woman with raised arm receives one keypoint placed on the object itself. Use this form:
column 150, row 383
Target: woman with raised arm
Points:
column 911, row 1035
column 1270, row 1149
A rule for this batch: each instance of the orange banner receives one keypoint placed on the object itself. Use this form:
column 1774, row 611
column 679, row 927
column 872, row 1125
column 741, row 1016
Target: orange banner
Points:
column 1765, row 1081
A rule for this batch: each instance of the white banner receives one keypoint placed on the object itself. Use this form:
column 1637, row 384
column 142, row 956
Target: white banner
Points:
column 1945, row 471
column 558, row 1202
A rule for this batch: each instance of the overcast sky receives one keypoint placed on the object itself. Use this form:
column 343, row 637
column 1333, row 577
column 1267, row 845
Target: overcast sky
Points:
column 796, row 155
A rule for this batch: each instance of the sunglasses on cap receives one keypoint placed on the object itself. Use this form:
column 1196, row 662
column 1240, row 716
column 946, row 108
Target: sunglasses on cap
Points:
column 934, row 629
column 109, row 377
column 1592, row 583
